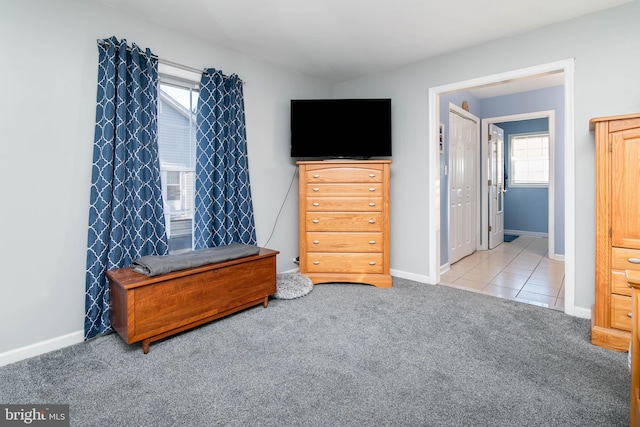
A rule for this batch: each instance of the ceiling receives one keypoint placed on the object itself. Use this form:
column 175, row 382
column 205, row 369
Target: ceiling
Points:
column 338, row 40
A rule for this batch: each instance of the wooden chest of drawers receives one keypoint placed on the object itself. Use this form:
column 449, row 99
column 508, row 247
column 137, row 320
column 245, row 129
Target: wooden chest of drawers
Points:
column 344, row 221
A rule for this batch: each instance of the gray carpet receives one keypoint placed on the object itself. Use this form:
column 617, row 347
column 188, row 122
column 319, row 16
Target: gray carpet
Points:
column 344, row 355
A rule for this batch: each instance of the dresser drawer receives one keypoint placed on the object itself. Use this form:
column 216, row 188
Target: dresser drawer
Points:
column 344, row 204
column 344, row 190
column 620, row 309
column 338, row 221
column 344, row 174
column 625, row 259
column 619, row 284
column 344, row 242
column 341, row 262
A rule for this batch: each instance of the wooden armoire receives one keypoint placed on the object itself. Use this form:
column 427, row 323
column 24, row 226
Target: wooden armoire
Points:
column 617, row 227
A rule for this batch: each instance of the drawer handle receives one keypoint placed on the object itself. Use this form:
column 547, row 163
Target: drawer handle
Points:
column 316, row 221
column 316, row 204
column 316, row 242
column 372, row 242
column 316, row 262
column 371, row 221
column 372, row 204
column 634, row 260
column 629, row 315
column 372, row 175
column 316, row 189
column 316, row 175
column 372, row 189
column 372, row 263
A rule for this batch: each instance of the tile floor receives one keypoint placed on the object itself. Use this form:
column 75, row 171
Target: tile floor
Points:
column 518, row 270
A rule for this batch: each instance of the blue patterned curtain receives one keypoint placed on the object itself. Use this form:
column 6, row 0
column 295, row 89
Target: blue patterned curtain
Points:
column 223, row 206
column 125, row 216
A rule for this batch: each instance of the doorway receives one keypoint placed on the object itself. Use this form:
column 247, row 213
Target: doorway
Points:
column 487, row 192
column 565, row 67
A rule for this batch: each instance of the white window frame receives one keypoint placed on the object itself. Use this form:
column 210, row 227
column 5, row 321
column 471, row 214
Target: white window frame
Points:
column 511, row 168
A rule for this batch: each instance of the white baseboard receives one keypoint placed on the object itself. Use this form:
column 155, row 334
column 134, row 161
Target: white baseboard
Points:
column 42, row 347
column 582, row 313
column 444, row 268
column 410, row 276
column 526, row 233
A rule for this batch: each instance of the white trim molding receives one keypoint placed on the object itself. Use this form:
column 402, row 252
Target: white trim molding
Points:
column 410, row 276
column 42, row 347
column 566, row 67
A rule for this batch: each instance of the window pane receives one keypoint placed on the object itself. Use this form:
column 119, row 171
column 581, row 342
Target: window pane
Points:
column 173, row 177
column 529, row 159
column 173, row 193
column 177, row 148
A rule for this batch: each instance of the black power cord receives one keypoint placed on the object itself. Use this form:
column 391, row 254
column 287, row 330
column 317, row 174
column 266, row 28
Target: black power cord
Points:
column 293, row 178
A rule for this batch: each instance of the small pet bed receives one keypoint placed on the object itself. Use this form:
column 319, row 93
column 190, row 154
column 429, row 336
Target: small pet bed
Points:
column 292, row 285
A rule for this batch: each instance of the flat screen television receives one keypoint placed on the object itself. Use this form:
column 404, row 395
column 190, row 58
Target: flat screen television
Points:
column 340, row 128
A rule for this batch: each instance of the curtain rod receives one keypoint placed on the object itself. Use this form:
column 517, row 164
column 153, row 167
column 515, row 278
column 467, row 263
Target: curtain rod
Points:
column 171, row 63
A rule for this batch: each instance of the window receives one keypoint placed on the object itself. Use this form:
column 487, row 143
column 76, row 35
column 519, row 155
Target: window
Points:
column 173, row 186
column 529, row 160
column 177, row 102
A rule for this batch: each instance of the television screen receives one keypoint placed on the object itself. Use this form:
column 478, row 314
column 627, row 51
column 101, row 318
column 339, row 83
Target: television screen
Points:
column 341, row 128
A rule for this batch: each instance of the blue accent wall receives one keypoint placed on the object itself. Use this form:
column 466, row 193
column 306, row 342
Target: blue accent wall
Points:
column 525, row 209
column 527, row 102
column 520, row 103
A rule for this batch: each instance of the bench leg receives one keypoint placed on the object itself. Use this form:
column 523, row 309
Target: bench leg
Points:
column 145, row 345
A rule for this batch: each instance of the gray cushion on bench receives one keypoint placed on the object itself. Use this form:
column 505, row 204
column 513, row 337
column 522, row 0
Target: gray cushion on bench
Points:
column 154, row 265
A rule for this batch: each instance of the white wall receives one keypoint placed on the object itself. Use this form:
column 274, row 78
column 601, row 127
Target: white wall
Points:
column 48, row 75
column 605, row 47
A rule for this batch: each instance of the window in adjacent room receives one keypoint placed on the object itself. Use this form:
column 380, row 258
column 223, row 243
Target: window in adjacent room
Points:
column 529, row 160
column 177, row 102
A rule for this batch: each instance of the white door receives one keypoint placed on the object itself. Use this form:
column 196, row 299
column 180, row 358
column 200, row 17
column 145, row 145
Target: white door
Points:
column 495, row 174
column 463, row 183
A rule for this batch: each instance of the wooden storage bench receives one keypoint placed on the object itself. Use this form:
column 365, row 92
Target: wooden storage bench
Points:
column 148, row 309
